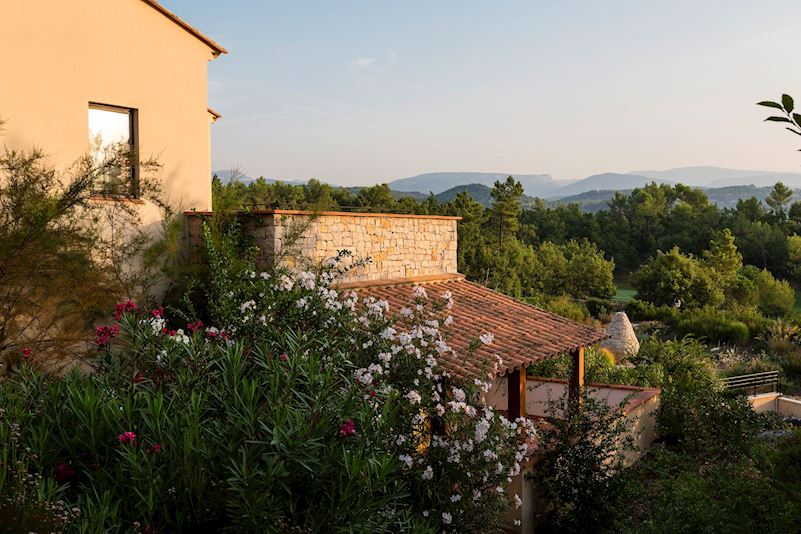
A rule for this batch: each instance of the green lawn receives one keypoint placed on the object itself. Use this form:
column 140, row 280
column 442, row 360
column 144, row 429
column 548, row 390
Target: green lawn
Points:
column 625, row 294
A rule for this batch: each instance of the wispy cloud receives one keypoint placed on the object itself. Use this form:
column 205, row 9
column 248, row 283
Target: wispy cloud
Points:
column 361, row 63
column 405, row 89
column 261, row 115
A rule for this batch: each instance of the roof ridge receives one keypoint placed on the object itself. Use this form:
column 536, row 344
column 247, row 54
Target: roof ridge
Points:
column 216, row 49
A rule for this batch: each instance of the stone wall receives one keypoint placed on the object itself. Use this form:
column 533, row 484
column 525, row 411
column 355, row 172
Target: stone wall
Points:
column 399, row 246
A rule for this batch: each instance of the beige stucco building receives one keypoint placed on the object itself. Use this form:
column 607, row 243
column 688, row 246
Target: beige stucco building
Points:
column 73, row 69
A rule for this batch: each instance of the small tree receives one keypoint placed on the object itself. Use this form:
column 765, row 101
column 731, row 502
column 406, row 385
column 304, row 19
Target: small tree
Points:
column 583, row 450
column 778, row 199
column 776, row 297
column 672, row 278
column 723, row 256
column 63, row 256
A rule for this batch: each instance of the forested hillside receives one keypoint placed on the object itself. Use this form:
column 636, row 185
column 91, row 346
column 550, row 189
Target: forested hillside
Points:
column 499, row 244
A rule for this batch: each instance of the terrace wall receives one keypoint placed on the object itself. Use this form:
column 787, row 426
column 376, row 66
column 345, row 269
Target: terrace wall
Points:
column 776, row 402
column 399, row 246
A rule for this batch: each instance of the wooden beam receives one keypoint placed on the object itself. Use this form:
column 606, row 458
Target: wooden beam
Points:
column 576, row 373
column 516, row 381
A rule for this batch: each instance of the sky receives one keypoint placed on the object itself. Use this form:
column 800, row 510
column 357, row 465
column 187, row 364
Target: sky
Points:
column 363, row 92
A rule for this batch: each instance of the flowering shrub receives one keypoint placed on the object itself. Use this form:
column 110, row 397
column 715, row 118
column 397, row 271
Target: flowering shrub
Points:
column 457, row 454
column 300, row 408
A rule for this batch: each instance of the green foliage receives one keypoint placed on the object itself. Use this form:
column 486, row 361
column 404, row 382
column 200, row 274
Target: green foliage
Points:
column 576, row 268
column 582, row 451
column 601, row 307
column 780, row 337
column 564, row 306
column 783, row 460
column 672, row 278
column 723, row 257
column 791, row 364
column 505, row 209
column 599, row 368
column 794, row 256
column 64, row 257
column 776, row 297
column 787, row 116
column 779, row 198
column 757, row 323
column 713, row 325
column 669, row 492
column 639, row 310
column 298, row 410
column 696, row 415
column 655, row 217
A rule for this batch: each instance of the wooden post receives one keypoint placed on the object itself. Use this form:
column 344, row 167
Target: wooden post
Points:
column 517, row 393
column 576, row 374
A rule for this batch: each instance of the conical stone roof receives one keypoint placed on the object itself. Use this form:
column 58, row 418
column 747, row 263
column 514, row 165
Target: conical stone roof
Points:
column 622, row 341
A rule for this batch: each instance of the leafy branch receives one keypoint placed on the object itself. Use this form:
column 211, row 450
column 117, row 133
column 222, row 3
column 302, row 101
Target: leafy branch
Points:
column 786, row 106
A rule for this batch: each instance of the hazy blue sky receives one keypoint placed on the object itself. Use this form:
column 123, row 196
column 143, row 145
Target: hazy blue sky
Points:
column 362, row 92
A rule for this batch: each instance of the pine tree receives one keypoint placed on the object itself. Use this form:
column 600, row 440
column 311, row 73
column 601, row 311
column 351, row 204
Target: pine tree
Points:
column 723, row 257
column 506, row 208
column 779, row 198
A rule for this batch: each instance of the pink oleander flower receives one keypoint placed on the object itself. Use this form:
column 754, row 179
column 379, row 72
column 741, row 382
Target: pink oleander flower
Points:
column 26, row 353
column 64, row 472
column 155, row 449
column 127, row 438
column 124, row 307
column 138, row 377
column 347, row 428
column 195, row 326
column 283, row 357
column 104, row 334
column 157, row 312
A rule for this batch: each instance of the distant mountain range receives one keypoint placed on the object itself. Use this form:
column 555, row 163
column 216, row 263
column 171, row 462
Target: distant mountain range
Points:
column 535, row 185
column 479, row 192
column 723, row 197
column 720, row 177
column 544, row 186
column 723, row 186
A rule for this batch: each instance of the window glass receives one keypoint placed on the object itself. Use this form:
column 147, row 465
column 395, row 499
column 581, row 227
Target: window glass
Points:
column 110, row 140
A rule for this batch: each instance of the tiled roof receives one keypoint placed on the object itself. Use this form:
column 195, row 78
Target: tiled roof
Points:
column 524, row 334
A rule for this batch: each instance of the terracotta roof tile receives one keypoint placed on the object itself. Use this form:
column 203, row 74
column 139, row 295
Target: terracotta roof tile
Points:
column 524, row 334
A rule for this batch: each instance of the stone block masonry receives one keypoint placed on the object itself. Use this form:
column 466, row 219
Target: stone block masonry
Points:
column 399, row 246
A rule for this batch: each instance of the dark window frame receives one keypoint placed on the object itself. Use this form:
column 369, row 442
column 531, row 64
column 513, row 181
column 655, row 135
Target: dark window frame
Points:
column 133, row 141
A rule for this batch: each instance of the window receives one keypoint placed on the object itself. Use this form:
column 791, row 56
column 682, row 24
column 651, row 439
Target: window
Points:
column 113, row 144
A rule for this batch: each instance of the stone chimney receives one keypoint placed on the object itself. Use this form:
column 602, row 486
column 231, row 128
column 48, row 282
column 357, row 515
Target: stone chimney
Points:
column 398, row 245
